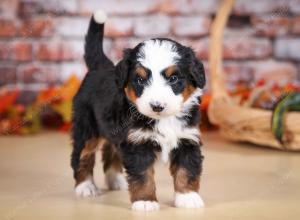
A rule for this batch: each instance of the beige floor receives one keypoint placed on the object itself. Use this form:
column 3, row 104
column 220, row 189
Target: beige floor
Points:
column 239, row 182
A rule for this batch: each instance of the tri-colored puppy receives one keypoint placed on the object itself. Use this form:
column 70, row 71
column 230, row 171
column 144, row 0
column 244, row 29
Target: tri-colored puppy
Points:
column 145, row 105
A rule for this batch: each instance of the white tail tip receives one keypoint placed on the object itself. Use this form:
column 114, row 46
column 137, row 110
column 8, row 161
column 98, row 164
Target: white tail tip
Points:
column 100, row 16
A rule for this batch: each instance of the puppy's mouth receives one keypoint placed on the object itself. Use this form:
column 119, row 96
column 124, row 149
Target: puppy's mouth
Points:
column 159, row 115
column 156, row 115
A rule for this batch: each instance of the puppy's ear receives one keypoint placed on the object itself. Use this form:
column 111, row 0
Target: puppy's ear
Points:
column 197, row 70
column 122, row 69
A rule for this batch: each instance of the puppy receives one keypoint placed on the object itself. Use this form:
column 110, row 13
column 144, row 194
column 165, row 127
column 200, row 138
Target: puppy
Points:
column 144, row 107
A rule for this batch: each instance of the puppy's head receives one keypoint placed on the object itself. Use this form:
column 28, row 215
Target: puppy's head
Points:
column 159, row 76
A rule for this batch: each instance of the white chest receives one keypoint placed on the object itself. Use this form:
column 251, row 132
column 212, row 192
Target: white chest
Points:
column 167, row 133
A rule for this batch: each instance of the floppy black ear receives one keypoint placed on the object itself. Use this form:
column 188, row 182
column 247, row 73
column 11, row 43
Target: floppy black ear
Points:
column 122, row 69
column 197, row 71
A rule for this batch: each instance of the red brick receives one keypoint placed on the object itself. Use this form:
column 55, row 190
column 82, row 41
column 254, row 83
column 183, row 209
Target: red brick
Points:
column 296, row 25
column 243, row 47
column 246, row 48
column 38, row 73
column 17, row 51
column 21, row 51
column 8, row 74
column 59, row 51
column 5, row 49
column 37, row 27
column 154, row 25
column 192, row 26
column 252, row 71
column 270, row 25
column 119, row 27
column 278, row 7
column 8, row 28
column 53, row 52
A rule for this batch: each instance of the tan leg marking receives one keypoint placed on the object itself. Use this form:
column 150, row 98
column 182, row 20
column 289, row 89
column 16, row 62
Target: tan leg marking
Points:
column 143, row 191
column 87, row 161
column 181, row 182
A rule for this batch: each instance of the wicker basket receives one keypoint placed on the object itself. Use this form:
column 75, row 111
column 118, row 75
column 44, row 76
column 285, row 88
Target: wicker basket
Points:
column 236, row 122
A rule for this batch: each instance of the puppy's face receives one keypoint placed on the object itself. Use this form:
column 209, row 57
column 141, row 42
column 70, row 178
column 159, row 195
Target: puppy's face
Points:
column 159, row 77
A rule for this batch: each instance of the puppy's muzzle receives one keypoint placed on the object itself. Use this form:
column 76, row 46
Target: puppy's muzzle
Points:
column 157, row 107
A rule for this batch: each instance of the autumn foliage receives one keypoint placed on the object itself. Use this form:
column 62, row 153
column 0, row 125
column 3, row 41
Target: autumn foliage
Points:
column 51, row 109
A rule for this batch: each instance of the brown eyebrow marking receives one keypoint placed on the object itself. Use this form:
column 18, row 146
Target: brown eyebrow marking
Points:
column 130, row 94
column 170, row 70
column 188, row 91
column 141, row 72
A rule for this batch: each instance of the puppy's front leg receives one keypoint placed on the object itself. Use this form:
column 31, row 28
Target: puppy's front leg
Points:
column 186, row 167
column 138, row 161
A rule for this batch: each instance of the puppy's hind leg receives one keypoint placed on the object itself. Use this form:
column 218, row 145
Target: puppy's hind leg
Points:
column 113, row 168
column 83, row 174
column 85, row 142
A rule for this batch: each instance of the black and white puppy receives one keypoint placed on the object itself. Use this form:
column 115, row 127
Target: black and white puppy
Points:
column 145, row 105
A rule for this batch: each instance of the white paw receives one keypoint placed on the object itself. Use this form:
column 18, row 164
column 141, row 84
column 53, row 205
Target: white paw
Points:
column 87, row 189
column 115, row 180
column 188, row 200
column 145, row 206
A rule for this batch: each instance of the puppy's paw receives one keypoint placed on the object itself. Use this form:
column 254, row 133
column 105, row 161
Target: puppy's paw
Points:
column 87, row 189
column 145, row 206
column 115, row 180
column 188, row 200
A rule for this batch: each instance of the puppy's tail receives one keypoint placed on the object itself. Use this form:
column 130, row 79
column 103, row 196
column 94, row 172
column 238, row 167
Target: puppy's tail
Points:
column 93, row 49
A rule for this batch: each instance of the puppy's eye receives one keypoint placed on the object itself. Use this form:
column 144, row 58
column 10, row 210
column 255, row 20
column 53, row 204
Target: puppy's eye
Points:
column 173, row 79
column 141, row 81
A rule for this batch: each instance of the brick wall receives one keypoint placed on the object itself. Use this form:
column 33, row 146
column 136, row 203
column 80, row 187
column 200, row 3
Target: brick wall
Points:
column 41, row 41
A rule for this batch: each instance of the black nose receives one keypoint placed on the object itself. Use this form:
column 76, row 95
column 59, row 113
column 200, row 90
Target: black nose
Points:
column 156, row 107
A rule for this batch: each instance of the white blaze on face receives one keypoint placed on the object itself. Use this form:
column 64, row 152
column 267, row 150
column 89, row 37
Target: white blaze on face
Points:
column 157, row 56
